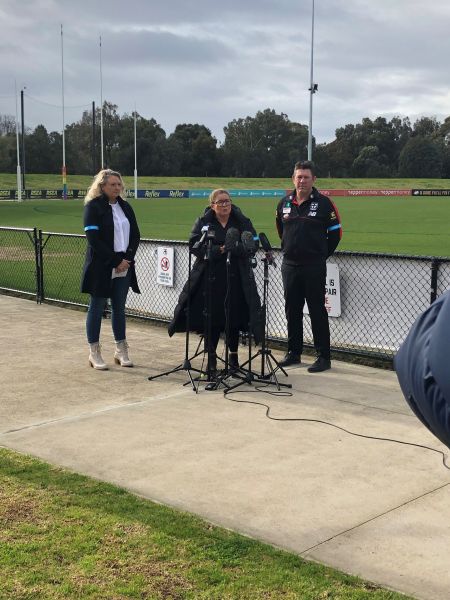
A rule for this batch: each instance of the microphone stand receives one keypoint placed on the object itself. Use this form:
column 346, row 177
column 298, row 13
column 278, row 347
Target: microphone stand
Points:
column 227, row 311
column 207, row 311
column 186, row 364
column 214, row 385
column 245, row 375
column 267, row 358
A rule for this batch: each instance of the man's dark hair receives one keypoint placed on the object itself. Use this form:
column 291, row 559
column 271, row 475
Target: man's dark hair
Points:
column 305, row 164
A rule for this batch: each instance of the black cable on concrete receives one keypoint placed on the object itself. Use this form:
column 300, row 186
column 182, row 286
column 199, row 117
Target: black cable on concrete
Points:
column 360, row 435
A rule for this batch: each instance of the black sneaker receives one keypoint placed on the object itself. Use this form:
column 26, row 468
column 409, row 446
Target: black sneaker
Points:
column 321, row 364
column 291, row 358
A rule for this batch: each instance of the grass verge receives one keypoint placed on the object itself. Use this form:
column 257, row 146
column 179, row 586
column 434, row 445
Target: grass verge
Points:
column 64, row 536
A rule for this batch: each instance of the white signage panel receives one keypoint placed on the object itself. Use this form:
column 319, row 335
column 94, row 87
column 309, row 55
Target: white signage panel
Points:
column 332, row 292
column 164, row 268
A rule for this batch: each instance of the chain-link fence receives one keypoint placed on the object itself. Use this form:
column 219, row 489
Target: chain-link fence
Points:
column 63, row 259
column 20, row 266
column 380, row 295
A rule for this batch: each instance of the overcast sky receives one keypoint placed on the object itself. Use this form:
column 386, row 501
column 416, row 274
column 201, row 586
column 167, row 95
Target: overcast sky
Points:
column 208, row 62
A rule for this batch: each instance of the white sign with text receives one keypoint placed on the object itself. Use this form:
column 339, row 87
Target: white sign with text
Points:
column 164, row 269
column 332, row 292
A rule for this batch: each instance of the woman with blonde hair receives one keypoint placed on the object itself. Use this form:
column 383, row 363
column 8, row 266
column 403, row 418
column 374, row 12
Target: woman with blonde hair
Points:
column 113, row 237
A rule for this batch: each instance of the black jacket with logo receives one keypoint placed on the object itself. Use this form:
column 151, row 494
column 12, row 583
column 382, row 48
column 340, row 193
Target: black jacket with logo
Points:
column 100, row 256
column 310, row 231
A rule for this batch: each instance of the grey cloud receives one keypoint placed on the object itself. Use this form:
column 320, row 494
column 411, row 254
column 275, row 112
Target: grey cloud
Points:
column 210, row 62
column 161, row 48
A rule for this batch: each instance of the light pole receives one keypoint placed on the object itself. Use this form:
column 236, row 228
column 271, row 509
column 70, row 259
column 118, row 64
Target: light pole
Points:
column 102, row 162
column 93, row 140
column 22, row 118
column 312, row 87
column 19, row 174
column 63, row 168
column 135, row 155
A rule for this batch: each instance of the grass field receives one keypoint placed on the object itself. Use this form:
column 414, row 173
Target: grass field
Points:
column 399, row 225
column 65, row 536
column 8, row 181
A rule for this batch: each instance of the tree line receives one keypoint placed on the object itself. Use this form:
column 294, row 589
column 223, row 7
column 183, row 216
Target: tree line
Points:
column 266, row 145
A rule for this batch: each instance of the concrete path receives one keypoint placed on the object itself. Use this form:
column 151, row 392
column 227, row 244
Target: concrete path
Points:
column 376, row 509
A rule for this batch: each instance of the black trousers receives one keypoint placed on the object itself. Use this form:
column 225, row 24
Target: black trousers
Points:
column 233, row 340
column 306, row 282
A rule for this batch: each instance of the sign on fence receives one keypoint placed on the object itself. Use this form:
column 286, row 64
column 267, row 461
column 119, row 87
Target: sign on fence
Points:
column 332, row 292
column 164, row 268
column 204, row 193
column 430, row 192
column 365, row 192
column 158, row 194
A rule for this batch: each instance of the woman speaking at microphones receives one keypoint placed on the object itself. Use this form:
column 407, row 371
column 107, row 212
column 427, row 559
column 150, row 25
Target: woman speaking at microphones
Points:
column 216, row 239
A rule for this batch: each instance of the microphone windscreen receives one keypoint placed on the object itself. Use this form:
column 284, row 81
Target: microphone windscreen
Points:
column 248, row 242
column 265, row 242
column 231, row 238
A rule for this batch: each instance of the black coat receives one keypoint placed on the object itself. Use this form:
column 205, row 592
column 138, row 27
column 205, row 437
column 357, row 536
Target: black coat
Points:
column 100, row 256
column 245, row 301
column 422, row 366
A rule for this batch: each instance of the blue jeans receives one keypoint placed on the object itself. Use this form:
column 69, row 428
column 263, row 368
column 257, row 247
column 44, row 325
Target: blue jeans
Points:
column 120, row 286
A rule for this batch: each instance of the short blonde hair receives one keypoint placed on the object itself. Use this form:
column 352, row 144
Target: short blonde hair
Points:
column 213, row 195
column 100, row 179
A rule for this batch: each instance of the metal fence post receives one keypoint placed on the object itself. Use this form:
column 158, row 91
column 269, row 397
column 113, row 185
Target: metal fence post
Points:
column 434, row 279
column 38, row 263
column 41, row 262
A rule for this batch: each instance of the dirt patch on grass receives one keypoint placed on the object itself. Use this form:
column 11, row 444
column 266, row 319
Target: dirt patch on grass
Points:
column 17, row 508
column 130, row 553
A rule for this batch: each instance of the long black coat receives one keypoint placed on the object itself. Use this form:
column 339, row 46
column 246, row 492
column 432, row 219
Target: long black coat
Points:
column 245, row 301
column 100, row 256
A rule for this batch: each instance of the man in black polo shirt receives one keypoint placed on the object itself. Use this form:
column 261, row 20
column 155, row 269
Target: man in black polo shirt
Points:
column 309, row 227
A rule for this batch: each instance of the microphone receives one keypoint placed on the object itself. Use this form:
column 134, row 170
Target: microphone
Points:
column 267, row 249
column 210, row 235
column 249, row 244
column 231, row 242
column 198, row 243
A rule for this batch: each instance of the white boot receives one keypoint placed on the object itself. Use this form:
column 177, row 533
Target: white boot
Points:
column 95, row 357
column 121, row 354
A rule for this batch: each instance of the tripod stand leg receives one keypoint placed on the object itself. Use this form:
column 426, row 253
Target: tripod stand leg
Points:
column 278, row 366
column 174, row 370
column 272, row 371
column 194, row 387
column 270, row 378
column 184, row 366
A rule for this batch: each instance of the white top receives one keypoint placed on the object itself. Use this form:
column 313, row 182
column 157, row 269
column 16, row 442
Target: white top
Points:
column 121, row 228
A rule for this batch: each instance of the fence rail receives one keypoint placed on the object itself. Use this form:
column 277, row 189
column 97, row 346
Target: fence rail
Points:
column 381, row 295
